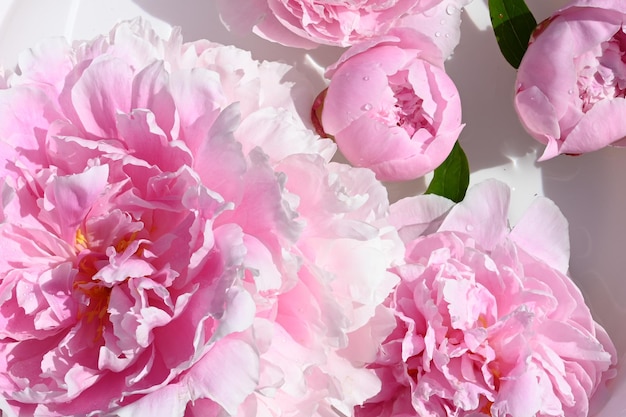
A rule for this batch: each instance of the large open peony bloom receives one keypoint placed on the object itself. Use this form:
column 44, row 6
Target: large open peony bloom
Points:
column 308, row 23
column 174, row 240
column 571, row 83
column 488, row 323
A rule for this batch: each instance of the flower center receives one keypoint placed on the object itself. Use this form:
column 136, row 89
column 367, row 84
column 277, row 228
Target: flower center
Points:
column 602, row 72
column 486, row 409
column 96, row 303
column 413, row 366
column 94, row 295
column 408, row 111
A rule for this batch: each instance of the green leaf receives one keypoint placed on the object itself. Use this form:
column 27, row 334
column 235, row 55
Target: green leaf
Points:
column 452, row 176
column 513, row 24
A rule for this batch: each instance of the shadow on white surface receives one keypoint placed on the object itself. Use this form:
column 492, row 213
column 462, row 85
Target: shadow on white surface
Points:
column 589, row 190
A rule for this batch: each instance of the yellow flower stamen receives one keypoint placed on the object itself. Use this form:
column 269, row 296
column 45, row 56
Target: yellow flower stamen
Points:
column 80, row 241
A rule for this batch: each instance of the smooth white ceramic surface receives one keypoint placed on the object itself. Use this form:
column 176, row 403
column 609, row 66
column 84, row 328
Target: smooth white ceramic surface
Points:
column 588, row 188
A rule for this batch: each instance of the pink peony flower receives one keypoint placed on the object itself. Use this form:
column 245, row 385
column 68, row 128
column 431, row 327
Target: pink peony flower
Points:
column 163, row 251
column 391, row 107
column 571, row 84
column 307, row 23
column 488, row 323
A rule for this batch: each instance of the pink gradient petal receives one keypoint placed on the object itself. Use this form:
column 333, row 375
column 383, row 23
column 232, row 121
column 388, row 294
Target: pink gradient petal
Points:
column 482, row 214
column 543, row 218
column 70, row 198
column 599, row 127
column 169, row 401
column 213, row 378
column 95, row 104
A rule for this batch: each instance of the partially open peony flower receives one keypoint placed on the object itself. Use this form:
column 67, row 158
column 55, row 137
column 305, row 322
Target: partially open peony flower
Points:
column 308, row 23
column 168, row 229
column 488, row 323
column 571, row 83
column 391, row 107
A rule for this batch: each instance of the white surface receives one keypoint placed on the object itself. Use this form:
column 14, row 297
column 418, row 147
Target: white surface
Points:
column 588, row 189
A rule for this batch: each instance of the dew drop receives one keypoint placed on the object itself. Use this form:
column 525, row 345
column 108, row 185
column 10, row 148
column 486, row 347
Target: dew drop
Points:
column 366, row 78
column 447, row 35
column 366, row 107
column 437, row 34
column 469, row 228
column 450, row 9
column 442, row 22
column 570, row 91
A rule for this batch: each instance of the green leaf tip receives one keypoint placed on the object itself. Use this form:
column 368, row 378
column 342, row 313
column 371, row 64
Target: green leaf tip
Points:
column 513, row 24
column 451, row 178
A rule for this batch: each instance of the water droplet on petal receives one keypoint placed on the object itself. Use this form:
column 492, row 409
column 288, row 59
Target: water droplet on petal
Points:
column 442, row 22
column 570, row 91
column 367, row 107
column 366, row 78
column 469, row 228
column 447, row 35
column 437, row 34
column 450, row 9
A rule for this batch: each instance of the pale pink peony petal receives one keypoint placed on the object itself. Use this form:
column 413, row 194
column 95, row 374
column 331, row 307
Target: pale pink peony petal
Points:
column 68, row 199
column 412, row 220
column 94, row 102
column 598, row 128
column 169, row 401
column 215, row 378
column 544, row 219
column 482, row 214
